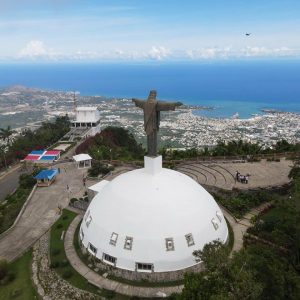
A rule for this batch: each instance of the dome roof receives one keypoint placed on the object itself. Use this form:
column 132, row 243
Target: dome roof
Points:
column 151, row 216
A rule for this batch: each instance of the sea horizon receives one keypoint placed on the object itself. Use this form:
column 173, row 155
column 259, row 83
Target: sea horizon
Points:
column 229, row 87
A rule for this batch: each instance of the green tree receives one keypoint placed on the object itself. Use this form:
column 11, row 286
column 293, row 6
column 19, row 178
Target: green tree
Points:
column 222, row 278
column 6, row 133
column 3, row 150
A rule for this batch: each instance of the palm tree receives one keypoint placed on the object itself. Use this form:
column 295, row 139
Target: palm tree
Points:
column 3, row 154
column 6, row 133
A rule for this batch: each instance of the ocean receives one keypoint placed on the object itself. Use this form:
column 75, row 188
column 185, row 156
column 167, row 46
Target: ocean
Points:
column 229, row 87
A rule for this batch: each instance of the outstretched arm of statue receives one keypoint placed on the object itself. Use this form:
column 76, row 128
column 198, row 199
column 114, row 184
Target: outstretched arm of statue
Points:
column 138, row 103
column 163, row 106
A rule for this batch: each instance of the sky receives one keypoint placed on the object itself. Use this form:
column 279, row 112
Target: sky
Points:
column 156, row 30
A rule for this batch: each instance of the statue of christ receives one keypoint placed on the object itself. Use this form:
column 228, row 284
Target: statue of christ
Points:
column 152, row 109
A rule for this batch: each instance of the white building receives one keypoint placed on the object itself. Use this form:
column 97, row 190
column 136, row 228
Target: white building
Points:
column 151, row 220
column 87, row 117
column 83, row 160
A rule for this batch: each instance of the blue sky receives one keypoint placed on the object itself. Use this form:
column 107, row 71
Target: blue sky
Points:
column 78, row 30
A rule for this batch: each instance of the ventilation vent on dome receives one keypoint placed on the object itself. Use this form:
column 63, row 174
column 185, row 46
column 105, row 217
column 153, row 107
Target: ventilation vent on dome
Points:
column 128, row 243
column 170, row 244
column 87, row 215
column 215, row 223
column 218, row 214
column 113, row 239
column 88, row 221
column 189, row 239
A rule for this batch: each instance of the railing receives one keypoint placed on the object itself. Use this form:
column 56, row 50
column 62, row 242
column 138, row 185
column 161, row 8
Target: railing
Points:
column 212, row 159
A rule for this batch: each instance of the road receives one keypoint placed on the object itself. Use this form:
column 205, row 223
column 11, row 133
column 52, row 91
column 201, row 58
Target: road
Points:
column 42, row 211
column 9, row 182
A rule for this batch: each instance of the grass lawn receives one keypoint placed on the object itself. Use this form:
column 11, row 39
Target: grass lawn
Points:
column 61, row 264
column 231, row 235
column 58, row 257
column 10, row 208
column 22, row 287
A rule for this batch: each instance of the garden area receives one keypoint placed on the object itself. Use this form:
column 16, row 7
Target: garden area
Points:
column 240, row 203
column 267, row 268
column 61, row 265
column 15, row 279
column 58, row 258
column 281, row 225
column 12, row 204
column 112, row 143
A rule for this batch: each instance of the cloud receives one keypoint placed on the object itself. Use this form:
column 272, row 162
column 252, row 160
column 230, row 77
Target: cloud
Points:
column 263, row 52
column 246, row 52
column 209, row 53
column 36, row 49
column 158, row 53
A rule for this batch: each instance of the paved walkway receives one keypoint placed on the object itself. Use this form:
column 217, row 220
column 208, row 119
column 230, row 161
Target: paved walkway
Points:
column 105, row 283
column 41, row 212
column 239, row 228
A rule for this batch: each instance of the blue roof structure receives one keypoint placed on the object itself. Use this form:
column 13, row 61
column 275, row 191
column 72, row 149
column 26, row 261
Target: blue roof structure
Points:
column 48, row 157
column 37, row 152
column 47, row 174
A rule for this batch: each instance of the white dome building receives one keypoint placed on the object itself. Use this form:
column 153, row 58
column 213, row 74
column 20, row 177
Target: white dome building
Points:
column 151, row 220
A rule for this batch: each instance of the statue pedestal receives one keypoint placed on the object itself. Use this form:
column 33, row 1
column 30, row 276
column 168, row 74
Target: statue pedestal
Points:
column 153, row 165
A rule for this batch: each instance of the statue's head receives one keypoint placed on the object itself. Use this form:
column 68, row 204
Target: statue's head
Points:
column 152, row 95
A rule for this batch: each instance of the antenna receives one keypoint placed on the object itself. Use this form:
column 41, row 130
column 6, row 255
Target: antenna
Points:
column 75, row 102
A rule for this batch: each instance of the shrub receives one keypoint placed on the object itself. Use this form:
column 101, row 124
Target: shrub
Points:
column 109, row 294
column 26, row 181
column 67, row 274
column 54, row 264
column 15, row 293
column 3, row 268
column 59, row 226
column 55, row 252
column 64, row 263
column 11, row 276
column 99, row 168
column 65, row 217
column 73, row 200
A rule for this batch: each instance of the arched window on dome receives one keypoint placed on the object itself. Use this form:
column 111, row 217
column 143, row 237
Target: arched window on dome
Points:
column 93, row 249
column 170, row 244
column 111, row 260
column 144, row 267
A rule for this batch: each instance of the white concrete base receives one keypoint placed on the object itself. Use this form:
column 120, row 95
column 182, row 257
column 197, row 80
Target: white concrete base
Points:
column 153, row 165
